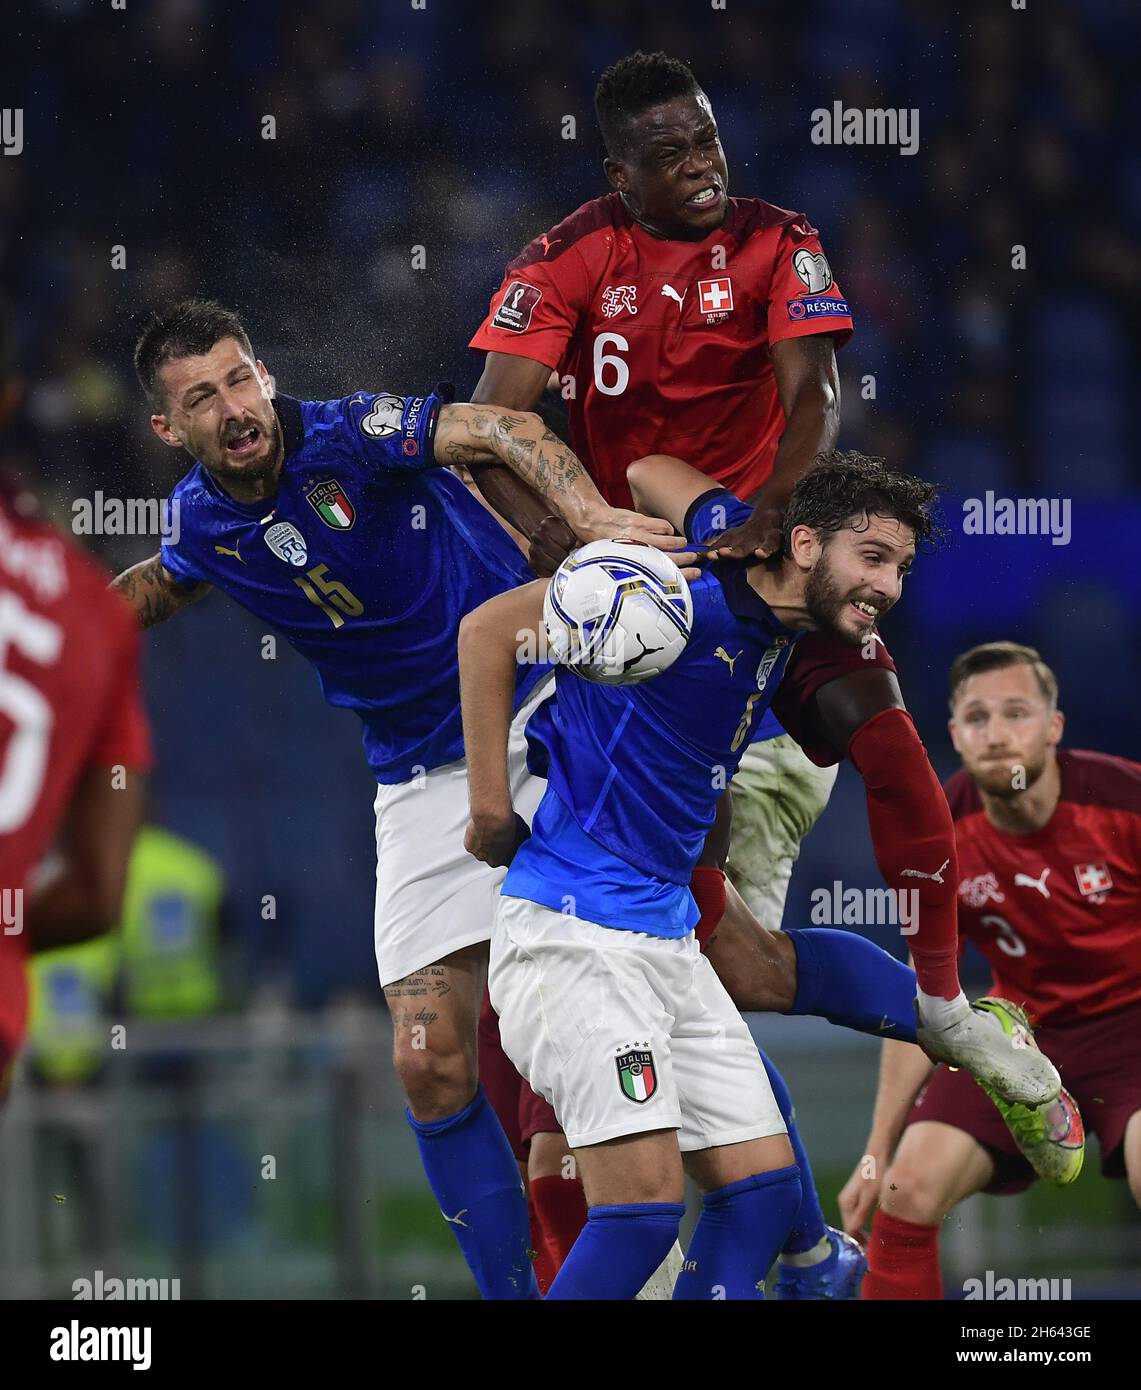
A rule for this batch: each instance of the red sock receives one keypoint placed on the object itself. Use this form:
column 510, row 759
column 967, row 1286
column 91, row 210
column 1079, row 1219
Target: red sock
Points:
column 560, row 1214
column 912, row 828
column 546, row 1267
column 903, row 1260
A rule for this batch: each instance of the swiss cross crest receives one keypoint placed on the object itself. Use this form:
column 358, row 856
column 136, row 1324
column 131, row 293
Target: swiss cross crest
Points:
column 331, row 504
column 715, row 296
column 615, row 298
column 1093, row 881
column 636, row 1074
column 980, row 890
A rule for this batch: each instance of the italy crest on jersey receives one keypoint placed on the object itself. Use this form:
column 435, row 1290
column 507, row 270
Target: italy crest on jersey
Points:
column 636, row 1075
column 329, row 501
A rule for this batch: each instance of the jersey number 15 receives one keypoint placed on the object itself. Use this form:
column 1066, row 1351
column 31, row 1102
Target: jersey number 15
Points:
column 336, row 600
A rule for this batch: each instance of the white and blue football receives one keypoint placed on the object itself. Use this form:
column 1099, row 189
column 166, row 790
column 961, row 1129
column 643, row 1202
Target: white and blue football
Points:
column 617, row 612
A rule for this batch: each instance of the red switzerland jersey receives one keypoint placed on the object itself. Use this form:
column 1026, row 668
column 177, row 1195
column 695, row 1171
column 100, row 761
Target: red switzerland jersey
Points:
column 668, row 342
column 1057, row 913
column 69, row 700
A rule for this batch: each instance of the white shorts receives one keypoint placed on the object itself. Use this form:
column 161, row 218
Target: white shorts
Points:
column 432, row 897
column 623, row 1032
column 778, row 795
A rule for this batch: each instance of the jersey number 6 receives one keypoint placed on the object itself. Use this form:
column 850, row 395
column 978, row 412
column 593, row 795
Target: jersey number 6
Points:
column 604, row 359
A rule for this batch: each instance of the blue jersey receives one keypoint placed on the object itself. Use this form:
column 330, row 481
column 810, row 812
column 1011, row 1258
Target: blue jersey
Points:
column 710, row 514
column 635, row 772
column 365, row 560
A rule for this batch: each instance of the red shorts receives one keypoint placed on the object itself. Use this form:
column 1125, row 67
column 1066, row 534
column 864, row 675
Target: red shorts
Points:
column 521, row 1112
column 1100, row 1063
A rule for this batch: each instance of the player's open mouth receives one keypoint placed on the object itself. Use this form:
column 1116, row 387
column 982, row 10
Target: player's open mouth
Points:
column 707, row 197
column 239, row 445
column 867, row 613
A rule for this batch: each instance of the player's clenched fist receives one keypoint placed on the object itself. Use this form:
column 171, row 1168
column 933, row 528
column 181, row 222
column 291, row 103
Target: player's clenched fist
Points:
column 494, row 841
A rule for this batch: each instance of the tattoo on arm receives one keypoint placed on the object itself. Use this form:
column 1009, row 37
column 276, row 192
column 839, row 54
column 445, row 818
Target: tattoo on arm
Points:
column 154, row 593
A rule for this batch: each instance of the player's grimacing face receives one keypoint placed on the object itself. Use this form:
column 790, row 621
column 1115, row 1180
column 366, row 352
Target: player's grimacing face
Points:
column 1004, row 730
column 219, row 406
column 673, row 174
column 858, row 576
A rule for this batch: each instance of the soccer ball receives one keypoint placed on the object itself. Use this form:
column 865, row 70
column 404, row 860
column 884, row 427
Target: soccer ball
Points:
column 617, row 612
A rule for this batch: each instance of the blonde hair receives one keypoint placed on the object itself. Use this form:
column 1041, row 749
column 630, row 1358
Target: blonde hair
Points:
column 996, row 656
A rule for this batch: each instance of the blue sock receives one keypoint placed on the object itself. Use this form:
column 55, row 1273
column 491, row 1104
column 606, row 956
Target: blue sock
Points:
column 849, row 981
column 475, row 1178
column 617, row 1250
column 738, row 1237
column 808, row 1223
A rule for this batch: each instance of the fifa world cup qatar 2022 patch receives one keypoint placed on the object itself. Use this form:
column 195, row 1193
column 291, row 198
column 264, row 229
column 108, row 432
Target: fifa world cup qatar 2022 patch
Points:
column 636, row 1074
column 330, row 501
column 517, row 306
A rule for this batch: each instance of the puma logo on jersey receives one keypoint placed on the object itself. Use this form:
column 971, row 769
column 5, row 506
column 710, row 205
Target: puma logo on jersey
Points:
column 671, row 293
column 224, row 550
column 729, row 661
column 936, row 877
column 1039, row 883
column 547, row 244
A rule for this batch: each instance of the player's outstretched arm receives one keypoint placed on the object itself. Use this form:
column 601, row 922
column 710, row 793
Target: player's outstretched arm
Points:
column 903, row 1070
column 154, row 593
column 492, row 639
column 476, row 434
column 809, row 387
column 665, row 486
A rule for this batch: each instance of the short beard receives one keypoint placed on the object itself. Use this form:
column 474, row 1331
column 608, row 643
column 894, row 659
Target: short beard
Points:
column 825, row 602
column 997, row 783
column 244, row 473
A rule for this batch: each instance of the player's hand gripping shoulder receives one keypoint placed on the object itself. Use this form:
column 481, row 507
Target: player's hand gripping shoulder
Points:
column 478, row 434
column 154, row 593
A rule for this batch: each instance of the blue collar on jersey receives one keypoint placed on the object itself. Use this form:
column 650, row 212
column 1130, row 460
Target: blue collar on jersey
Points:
column 292, row 430
column 743, row 599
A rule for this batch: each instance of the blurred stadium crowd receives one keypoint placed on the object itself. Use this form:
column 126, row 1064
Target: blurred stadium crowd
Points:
column 443, row 128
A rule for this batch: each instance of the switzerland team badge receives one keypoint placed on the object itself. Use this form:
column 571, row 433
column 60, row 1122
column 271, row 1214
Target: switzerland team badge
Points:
column 1093, row 879
column 715, row 296
column 329, row 501
column 636, row 1075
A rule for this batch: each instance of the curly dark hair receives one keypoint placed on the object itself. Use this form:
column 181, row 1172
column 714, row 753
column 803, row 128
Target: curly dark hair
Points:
column 189, row 328
column 632, row 85
column 842, row 489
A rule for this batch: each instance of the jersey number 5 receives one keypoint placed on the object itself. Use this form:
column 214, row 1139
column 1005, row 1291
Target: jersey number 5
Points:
column 342, row 602
column 26, row 756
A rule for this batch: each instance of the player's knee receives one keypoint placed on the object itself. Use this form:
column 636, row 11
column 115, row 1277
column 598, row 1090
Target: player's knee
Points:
column 437, row 1083
column 912, row 1192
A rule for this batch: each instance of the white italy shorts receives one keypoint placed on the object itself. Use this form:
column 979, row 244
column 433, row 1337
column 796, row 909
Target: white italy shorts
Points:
column 778, row 795
column 624, row 1032
column 432, row 897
